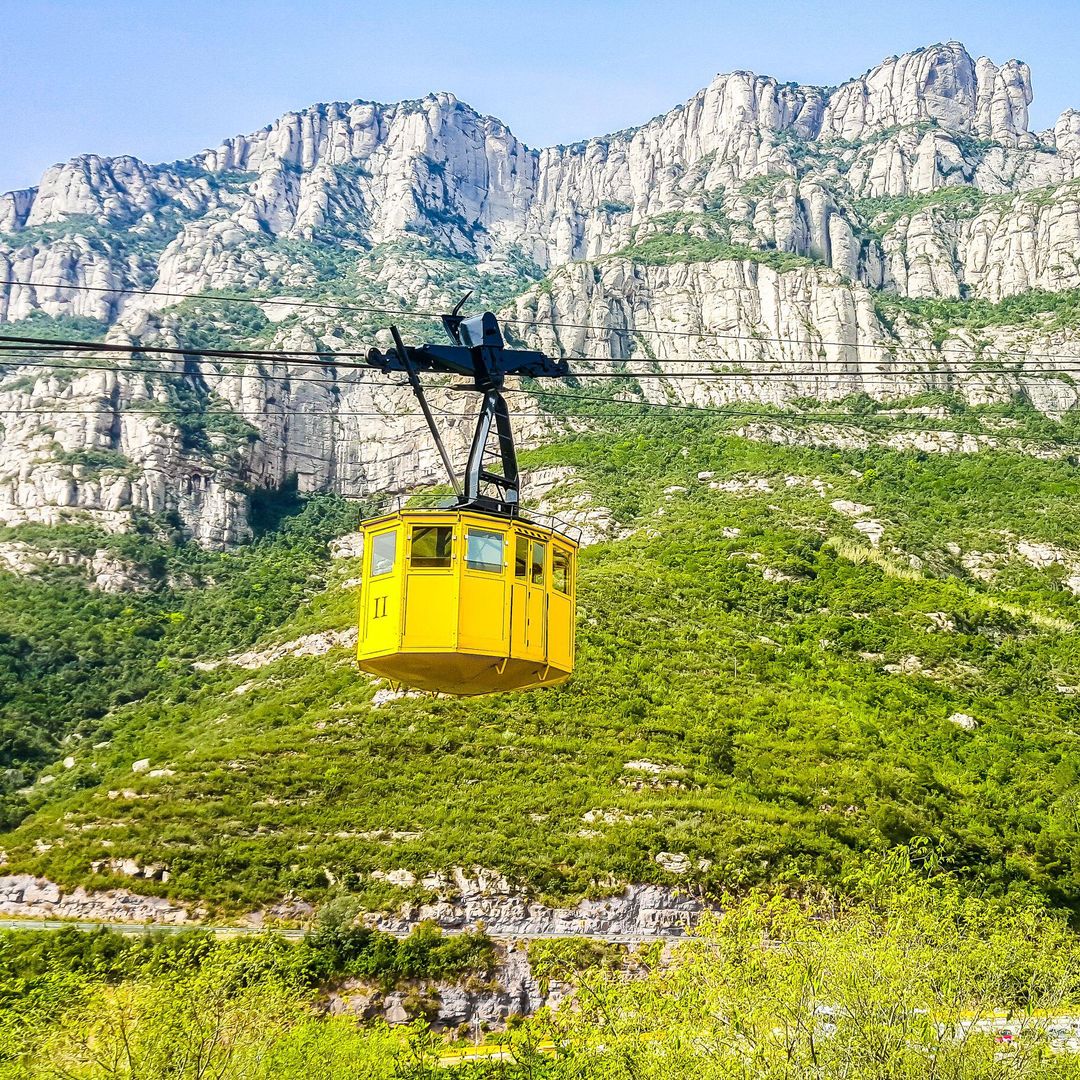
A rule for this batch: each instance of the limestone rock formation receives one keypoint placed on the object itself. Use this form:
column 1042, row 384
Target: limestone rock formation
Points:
column 758, row 231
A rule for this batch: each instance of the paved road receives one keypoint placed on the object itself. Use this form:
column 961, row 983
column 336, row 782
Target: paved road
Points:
column 140, row 928
column 295, row 934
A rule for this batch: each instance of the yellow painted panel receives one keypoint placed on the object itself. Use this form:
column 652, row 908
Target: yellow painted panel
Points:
column 560, row 628
column 484, row 623
column 431, row 607
column 519, row 615
column 536, row 628
column 463, row 673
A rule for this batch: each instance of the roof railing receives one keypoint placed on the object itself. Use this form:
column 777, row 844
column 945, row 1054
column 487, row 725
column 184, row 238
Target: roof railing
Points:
column 433, row 503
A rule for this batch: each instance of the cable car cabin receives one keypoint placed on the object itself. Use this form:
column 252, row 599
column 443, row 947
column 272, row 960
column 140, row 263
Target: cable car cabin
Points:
column 464, row 602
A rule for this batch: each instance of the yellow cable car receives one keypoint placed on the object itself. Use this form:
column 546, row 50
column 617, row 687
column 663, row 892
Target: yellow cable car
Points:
column 465, row 602
column 476, row 597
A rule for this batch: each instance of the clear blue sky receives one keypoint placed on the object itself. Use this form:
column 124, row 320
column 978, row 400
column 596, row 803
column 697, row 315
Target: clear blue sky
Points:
column 162, row 79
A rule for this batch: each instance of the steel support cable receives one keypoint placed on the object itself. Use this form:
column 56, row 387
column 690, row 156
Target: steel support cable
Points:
column 328, row 361
column 807, row 373
column 126, row 410
column 284, row 302
column 108, row 411
column 562, row 395
column 327, row 358
column 320, row 357
column 539, row 323
column 36, row 364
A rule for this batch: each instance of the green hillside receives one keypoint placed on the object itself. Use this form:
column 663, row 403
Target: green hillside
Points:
column 772, row 704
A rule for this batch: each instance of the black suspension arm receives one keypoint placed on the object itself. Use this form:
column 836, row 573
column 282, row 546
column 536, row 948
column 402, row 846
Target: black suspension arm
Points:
column 418, row 390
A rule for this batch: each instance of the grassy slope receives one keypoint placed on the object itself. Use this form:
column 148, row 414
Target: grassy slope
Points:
column 791, row 748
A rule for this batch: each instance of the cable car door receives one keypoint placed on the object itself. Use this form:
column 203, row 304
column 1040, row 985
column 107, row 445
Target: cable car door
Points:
column 381, row 596
column 529, row 605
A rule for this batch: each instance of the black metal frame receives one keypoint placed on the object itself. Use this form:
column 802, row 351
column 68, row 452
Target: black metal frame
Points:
column 479, row 354
column 428, row 503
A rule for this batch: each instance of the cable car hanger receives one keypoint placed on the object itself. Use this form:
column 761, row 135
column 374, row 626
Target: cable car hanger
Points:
column 478, row 353
column 471, row 598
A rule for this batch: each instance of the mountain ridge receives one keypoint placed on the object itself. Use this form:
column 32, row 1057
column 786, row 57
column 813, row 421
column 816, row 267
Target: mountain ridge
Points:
column 824, row 91
column 768, row 214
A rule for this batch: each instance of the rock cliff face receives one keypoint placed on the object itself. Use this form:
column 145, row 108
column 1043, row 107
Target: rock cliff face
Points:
column 761, row 227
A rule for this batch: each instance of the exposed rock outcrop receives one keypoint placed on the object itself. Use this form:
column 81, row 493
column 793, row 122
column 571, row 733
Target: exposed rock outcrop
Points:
column 468, row 899
column 29, row 897
column 750, row 231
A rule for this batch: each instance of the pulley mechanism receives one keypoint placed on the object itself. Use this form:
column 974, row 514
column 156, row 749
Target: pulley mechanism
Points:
column 479, row 354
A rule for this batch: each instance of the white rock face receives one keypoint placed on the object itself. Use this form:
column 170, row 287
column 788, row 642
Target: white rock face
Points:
column 318, row 644
column 963, row 720
column 941, row 84
column 24, row 896
column 102, row 570
column 674, row 862
column 640, row 911
column 399, row 204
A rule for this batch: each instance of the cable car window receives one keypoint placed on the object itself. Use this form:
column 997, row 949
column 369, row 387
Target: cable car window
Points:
column 484, row 550
column 560, row 570
column 538, row 553
column 521, row 557
column 383, row 551
column 431, row 545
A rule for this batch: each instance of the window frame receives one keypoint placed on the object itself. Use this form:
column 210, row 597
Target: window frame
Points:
column 533, row 564
column 522, row 558
column 567, row 556
column 470, row 530
column 432, row 562
column 392, row 565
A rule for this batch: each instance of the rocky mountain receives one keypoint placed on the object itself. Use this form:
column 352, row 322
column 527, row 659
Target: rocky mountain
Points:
column 904, row 231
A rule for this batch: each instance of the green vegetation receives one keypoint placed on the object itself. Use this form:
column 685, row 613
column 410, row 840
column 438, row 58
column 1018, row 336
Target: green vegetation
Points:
column 567, row 958
column 217, row 324
column 327, row 954
column 95, row 462
column 205, row 421
column 1049, row 310
column 184, row 1005
column 956, row 202
column 793, row 729
column 232, row 178
column 685, row 237
column 660, row 250
column 886, row 987
column 323, row 259
column 351, row 170
column 135, row 241
column 56, row 327
column 72, row 225
column 909, row 977
column 68, row 655
column 763, row 185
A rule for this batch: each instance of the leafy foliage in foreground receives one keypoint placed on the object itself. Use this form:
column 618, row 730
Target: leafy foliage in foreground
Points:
column 893, row 985
column 329, row 953
column 789, row 686
column 911, row 978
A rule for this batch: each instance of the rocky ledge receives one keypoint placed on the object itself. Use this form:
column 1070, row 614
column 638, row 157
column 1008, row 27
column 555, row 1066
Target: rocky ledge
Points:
column 24, row 896
column 461, row 901
column 485, row 899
